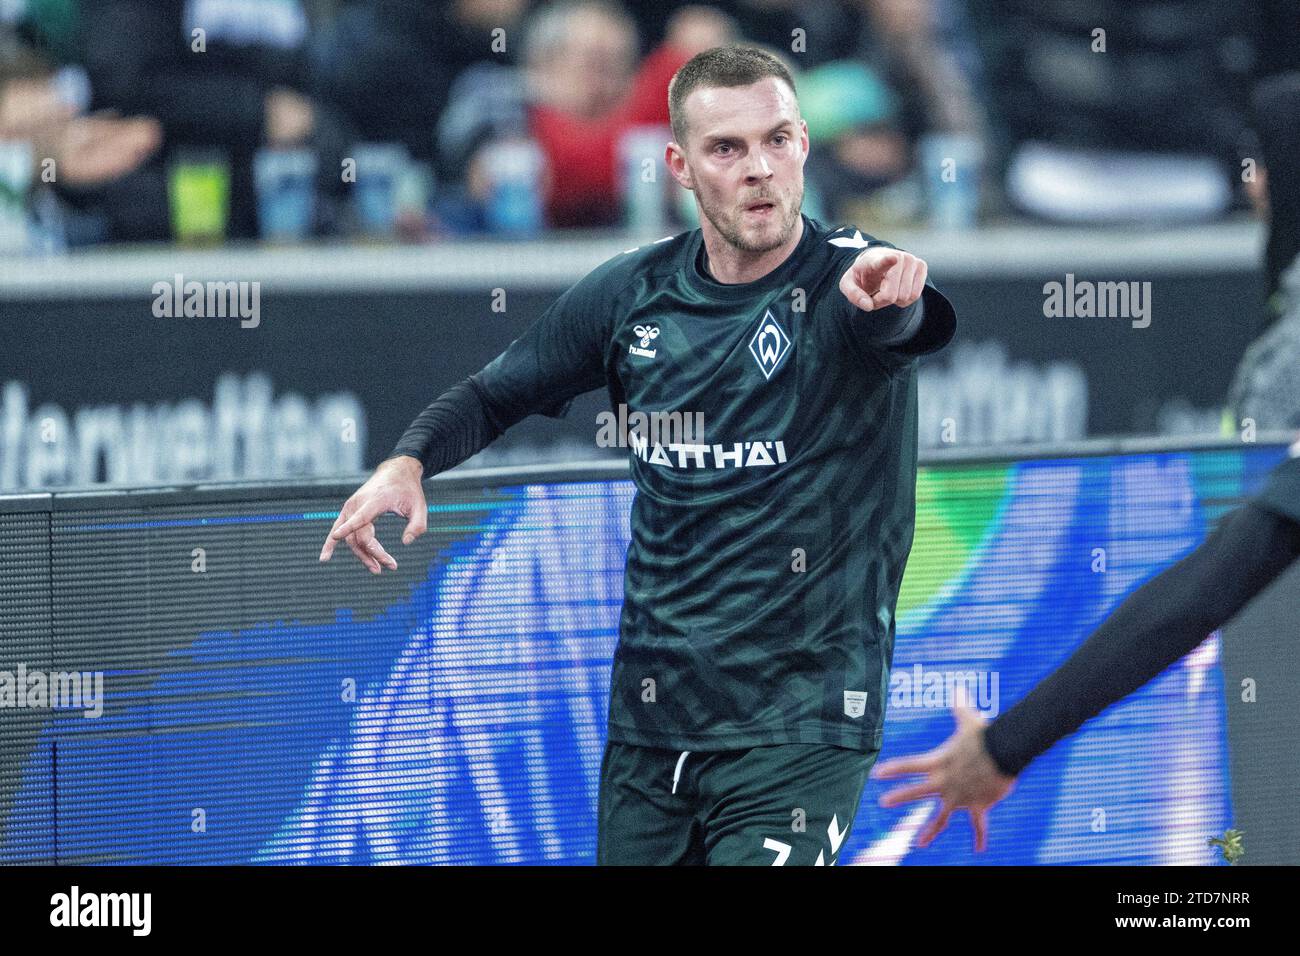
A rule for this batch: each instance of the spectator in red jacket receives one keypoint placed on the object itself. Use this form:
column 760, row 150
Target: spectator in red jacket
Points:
column 586, row 91
column 579, row 90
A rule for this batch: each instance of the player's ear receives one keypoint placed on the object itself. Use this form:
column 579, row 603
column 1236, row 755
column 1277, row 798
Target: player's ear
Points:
column 675, row 158
column 803, row 138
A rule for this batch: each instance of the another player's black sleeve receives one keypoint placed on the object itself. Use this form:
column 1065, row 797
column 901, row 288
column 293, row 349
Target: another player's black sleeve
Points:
column 1157, row 624
column 561, row 356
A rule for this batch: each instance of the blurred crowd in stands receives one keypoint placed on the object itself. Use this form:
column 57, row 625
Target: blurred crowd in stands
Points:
column 155, row 120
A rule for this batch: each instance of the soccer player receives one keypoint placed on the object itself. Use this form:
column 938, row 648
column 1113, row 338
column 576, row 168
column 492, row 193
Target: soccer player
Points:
column 757, row 628
column 1157, row 624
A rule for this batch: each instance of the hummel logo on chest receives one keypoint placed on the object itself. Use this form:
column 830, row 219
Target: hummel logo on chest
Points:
column 648, row 333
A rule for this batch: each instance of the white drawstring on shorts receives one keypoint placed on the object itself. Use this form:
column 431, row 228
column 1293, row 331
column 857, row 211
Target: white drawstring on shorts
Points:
column 678, row 772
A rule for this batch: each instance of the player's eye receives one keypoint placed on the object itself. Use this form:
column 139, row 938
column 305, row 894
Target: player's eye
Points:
column 722, row 149
column 780, row 139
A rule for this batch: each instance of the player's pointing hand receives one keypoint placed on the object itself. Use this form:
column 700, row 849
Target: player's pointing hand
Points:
column 960, row 772
column 881, row 276
column 394, row 487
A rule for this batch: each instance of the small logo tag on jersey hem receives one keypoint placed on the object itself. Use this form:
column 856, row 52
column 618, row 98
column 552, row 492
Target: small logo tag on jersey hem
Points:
column 855, row 703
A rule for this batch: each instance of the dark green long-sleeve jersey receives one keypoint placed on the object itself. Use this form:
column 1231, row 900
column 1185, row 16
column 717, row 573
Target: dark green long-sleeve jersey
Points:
column 769, row 533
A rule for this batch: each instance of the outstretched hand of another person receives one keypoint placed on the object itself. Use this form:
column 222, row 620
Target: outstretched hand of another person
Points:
column 959, row 771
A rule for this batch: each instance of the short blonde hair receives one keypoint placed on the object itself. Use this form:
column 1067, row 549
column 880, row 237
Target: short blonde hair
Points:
column 720, row 66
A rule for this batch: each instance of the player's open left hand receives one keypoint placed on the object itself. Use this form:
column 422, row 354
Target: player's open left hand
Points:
column 394, row 487
column 960, row 772
column 881, row 276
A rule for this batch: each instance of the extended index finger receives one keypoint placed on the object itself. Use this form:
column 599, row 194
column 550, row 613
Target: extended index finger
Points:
column 874, row 267
column 900, row 766
column 345, row 526
column 857, row 277
column 327, row 551
column 854, row 292
column 916, row 791
column 363, row 516
column 889, row 283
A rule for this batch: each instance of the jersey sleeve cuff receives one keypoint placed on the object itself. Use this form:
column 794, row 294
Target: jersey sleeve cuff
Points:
column 934, row 326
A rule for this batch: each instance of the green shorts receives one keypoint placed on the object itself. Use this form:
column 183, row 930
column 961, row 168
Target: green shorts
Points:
column 779, row 805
